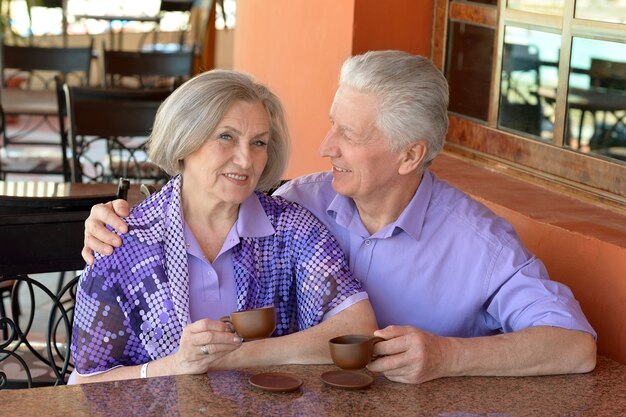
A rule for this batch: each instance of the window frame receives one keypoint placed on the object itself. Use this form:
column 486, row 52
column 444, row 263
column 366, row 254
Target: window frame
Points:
column 598, row 178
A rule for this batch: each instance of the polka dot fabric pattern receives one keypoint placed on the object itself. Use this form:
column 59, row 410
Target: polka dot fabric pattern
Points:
column 132, row 306
column 124, row 310
column 300, row 269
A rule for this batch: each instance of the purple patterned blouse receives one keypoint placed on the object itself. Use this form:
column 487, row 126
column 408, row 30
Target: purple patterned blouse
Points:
column 131, row 306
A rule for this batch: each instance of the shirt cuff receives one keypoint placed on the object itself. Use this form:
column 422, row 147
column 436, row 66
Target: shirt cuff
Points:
column 72, row 379
column 353, row 299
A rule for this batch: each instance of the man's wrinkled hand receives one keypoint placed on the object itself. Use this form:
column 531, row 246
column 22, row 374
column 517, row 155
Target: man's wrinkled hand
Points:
column 409, row 355
column 97, row 237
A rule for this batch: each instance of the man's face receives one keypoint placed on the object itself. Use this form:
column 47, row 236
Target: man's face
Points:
column 362, row 164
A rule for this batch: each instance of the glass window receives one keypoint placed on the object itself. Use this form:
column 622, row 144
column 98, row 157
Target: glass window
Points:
column 492, row 2
column 469, row 69
column 603, row 10
column 225, row 19
column 47, row 20
column 596, row 114
column 528, row 81
column 554, row 7
column 575, row 136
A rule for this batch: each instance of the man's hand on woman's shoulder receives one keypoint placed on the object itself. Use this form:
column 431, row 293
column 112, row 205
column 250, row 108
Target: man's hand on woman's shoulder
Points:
column 97, row 237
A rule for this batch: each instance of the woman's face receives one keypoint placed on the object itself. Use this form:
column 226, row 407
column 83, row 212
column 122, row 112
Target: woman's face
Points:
column 228, row 166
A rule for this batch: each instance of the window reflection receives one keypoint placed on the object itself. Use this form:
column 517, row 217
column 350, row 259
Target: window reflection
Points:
column 554, row 7
column 596, row 116
column 468, row 69
column 603, row 10
column 528, row 81
column 493, row 2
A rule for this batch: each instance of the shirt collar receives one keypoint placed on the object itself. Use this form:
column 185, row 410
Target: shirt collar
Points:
column 191, row 244
column 251, row 222
column 344, row 211
column 411, row 220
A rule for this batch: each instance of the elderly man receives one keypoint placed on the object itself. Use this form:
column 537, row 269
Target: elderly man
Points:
column 454, row 290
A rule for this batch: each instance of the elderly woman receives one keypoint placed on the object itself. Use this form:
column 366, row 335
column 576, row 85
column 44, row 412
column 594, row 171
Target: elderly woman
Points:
column 208, row 243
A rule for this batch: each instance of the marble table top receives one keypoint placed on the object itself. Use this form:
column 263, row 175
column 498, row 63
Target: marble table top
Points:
column 228, row 393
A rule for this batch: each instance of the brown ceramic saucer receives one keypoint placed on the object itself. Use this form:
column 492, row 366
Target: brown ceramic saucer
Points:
column 275, row 381
column 347, row 379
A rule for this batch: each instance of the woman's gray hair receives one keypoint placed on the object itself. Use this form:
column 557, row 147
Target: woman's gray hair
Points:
column 186, row 119
column 413, row 97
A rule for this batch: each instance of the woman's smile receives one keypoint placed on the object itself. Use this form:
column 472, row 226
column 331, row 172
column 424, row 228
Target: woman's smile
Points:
column 228, row 166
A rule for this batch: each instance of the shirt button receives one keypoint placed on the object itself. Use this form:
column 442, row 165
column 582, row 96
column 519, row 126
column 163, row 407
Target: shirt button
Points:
column 368, row 242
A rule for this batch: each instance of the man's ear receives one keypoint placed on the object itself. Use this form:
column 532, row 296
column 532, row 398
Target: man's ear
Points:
column 412, row 157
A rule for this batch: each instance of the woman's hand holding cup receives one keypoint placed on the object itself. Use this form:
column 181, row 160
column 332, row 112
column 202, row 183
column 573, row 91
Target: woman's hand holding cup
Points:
column 202, row 344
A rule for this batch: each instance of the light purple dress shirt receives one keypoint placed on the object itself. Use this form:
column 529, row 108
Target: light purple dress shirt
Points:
column 211, row 285
column 447, row 265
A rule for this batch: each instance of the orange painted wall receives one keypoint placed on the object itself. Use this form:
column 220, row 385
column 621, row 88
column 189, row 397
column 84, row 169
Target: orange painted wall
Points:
column 297, row 47
column 397, row 24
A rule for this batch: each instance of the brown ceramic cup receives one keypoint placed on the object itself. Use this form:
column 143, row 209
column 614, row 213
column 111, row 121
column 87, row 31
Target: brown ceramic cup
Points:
column 352, row 351
column 256, row 323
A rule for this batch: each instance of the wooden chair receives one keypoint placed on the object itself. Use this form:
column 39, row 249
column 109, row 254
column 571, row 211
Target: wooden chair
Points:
column 30, row 71
column 123, row 118
column 147, row 69
column 608, row 74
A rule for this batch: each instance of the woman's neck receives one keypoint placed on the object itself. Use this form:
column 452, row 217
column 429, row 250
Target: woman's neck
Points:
column 209, row 221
